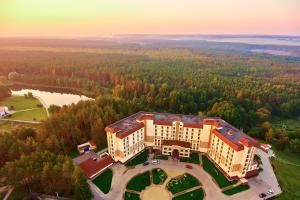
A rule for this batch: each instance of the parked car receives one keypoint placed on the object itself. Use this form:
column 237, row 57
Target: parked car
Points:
column 262, row 195
column 155, row 162
column 189, row 166
column 146, row 163
column 270, row 191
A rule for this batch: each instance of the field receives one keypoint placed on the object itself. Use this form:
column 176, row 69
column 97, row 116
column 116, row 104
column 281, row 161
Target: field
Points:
column 159, row 176
column 216, row 174
column 194, row 158
column 289, row 125
column 288, row 175
column 27, row 109
column 187, row 181
column 131, row 196
column 103, row 181
column 237, row 189
column 139, row 182
column 6, row 126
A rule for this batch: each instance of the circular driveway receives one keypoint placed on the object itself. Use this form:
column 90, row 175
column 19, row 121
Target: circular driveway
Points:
column 123, row 174
column 156, row 192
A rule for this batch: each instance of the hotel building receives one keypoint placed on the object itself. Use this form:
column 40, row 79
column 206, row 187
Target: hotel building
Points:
column 179, row 135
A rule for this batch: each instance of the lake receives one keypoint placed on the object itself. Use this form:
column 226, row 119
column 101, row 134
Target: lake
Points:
column 49, row 98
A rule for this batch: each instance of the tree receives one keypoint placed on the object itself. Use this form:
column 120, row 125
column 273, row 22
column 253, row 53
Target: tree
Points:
column 263, row 114
column 265, row 127
column 4, row 92
column 81, row 187
column 269, row 135
column 282, row 139
column 53, row 108
column 227, row 111
column 295, row 145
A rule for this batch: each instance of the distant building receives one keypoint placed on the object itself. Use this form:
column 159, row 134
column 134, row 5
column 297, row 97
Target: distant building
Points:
column 4, row 111
column 178, row 135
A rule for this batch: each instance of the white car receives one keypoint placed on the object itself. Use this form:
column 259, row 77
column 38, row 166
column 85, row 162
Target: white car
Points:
column 271, row 191
column 155, row 162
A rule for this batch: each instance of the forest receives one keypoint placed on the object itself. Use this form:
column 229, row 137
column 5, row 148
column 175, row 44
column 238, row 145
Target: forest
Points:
column 245, row 90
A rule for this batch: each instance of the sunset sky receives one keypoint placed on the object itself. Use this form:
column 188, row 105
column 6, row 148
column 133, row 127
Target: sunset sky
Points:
column 105, row 17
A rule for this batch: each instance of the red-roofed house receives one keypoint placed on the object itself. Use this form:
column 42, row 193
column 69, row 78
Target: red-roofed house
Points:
column 93, row 167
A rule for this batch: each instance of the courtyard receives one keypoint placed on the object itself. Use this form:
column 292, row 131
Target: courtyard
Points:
column 155, row 183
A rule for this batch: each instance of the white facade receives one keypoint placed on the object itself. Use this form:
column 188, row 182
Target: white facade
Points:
column 235, row 157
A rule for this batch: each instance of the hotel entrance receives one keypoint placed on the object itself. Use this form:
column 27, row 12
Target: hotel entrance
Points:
column 175, row 154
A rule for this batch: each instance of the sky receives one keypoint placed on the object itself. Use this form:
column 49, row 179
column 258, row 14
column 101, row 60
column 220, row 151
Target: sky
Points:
column 109, row 17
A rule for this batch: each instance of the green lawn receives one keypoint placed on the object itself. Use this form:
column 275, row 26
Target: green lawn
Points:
column 193, row 195
column 194, row 158
column 131, row 196
column 20, row 103
column 289, row 180
column 103, row 181
column 288, row 124
column 236, row 190
column 218, row 176
column 161, row 157
column 159, row 176
column 139, row 159
column 139, row 182
column 187, row 181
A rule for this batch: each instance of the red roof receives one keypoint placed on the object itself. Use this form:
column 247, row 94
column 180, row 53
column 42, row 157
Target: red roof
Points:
column 91, row 167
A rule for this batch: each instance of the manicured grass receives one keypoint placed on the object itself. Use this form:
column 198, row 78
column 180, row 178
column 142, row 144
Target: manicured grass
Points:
column 236, row 190
column 131, row 196
column 159, row 176
column 218, row 176
column 289, row 180
column 162, row 157
column 20, row 103
column 194, row 158
column 287, row 155
column 103, row 181
column 139, row 159
column 38, row 114
column 139, row 182
column 193, row 195
column 187, row 181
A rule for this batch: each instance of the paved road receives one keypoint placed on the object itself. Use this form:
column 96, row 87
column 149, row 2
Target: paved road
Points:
column 267, row 175
column 213, row 192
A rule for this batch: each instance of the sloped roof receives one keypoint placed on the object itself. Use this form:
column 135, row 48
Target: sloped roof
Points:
column 92, row 167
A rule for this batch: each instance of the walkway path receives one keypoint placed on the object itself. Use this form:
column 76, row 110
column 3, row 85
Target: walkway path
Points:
column 268, row 176
column 213, row 192
column 188, row 190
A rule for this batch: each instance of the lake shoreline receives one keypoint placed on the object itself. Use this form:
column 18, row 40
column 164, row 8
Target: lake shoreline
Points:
column 48, row 88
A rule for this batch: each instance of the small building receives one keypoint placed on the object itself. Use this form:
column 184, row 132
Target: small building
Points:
column 86, row 147
column 265, row 147
column 93, row 166
column 4, row 111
